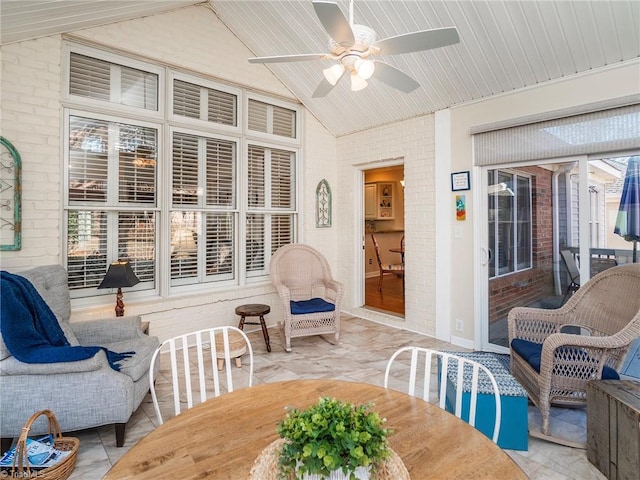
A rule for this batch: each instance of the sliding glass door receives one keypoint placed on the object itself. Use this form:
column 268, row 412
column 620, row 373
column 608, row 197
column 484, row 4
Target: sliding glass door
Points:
column 535, row 215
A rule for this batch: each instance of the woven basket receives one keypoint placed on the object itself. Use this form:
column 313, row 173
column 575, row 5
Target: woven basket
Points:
column 62, row 470
column 266, row 465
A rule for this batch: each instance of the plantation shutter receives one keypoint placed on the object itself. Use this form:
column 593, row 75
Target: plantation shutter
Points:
column 281, row 231
column 88, row 160
column 271, row 119
column 95, row 78
column 136, row 242
column 220, row 173
column 255, row 242
column 185, row 169
column 256, row 176
column 202, row 103
column 137, row 164
column 86, row 248
column 282, row 179
column 220, row 248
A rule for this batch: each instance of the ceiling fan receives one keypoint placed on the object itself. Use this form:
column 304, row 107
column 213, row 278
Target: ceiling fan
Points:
column 353, row 47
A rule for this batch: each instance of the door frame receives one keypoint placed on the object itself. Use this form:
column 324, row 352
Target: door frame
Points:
column 481, row 278
column 359, row 247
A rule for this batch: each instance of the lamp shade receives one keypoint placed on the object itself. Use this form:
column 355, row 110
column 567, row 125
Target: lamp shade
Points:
column 119, row 274
column 357, row 83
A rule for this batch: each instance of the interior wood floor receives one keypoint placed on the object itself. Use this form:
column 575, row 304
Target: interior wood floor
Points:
column 391, row 299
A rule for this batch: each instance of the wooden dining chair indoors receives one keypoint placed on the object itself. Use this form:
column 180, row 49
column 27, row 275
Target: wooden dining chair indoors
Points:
column 451, row 381
column 394, row 268
column 200, row 367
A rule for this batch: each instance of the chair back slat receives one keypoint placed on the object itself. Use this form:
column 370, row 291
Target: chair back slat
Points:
column 194, row 376
column 466, row 378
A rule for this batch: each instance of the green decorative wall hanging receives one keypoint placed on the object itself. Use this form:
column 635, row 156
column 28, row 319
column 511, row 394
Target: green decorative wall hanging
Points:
column 323, row 204
column 10, row 197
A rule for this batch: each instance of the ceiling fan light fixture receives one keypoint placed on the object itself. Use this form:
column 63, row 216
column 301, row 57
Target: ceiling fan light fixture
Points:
column 365, row 68
column 357, row 83
column 333, row 73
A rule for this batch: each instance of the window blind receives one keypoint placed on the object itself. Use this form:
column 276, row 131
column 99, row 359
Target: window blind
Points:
column 596, row 132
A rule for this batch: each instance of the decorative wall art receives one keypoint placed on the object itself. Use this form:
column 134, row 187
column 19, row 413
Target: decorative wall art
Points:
column 461, row 208
column 323, row 204
column 460, row 181
column 10, row 197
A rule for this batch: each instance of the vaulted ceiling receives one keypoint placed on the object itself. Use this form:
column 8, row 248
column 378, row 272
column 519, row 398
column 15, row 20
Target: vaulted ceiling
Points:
column 504, row 45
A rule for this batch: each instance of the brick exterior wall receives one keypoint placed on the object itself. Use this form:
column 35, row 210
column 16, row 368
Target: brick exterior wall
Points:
column 526, row 287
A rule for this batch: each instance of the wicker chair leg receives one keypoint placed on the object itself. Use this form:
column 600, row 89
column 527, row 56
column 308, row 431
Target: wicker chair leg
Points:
column 120, row 431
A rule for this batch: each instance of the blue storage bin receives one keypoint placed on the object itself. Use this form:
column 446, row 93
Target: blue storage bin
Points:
column 514, row 433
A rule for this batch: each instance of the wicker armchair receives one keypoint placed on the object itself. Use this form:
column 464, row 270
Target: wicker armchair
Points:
column 553, row 366
column 311, row 298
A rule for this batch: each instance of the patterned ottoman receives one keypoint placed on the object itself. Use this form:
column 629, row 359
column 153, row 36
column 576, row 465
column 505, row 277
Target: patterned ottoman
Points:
column 513, row 401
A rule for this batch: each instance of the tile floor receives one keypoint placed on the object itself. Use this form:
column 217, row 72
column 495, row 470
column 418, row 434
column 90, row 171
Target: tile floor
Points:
column 361, row 356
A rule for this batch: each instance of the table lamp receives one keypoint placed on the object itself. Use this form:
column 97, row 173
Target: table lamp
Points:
column 120, row 274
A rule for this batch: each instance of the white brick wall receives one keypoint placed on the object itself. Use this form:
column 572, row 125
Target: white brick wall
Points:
column 192, row 38
column 412, row 140
column 31, row 121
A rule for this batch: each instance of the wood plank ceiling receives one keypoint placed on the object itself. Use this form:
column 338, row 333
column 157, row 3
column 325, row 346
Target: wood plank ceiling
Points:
column 504, row 45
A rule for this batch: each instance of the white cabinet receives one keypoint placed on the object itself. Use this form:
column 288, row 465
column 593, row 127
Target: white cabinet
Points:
column 379, row 201
column 370, row 201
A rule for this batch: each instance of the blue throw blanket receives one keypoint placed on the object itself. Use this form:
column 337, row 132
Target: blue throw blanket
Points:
column 31, row 331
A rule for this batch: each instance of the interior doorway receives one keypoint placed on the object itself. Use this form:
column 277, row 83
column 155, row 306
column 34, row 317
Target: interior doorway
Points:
column 384, row 223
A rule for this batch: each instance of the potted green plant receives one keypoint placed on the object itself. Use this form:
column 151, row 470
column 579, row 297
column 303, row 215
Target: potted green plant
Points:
column 332, row 439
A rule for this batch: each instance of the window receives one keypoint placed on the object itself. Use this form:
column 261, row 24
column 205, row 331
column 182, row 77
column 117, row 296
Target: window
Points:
column 101, row 80
column 271, row 204
column 272, row 119
column 510, row 226
column 111, row 196
column 203, row 215
column 231, row 200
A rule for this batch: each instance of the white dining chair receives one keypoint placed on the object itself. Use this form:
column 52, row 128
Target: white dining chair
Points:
column 200, row 366
column 449, row 372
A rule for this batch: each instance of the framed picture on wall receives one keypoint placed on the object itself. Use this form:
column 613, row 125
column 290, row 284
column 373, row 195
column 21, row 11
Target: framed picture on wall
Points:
column 460, row 181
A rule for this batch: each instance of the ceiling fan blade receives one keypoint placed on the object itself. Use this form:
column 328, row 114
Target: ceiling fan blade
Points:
column 334, row 22
column 323, row 88
column 418, row 41
column 289, row 58
column 394, row 78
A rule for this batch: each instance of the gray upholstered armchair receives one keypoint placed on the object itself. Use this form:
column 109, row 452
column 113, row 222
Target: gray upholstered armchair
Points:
column 82, row 394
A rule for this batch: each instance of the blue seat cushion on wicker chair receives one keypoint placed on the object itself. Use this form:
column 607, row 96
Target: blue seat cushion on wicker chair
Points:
column 313, row 305
column 532, row 353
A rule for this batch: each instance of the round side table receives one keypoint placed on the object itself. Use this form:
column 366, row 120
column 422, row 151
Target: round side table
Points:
column 254, row 310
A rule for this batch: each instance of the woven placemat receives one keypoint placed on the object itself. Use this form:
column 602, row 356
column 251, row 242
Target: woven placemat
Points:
column 265, row 466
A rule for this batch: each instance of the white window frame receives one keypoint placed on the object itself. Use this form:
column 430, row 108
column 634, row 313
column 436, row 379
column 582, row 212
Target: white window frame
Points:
column 106, row 106
column 166, row 123
column 514, row 222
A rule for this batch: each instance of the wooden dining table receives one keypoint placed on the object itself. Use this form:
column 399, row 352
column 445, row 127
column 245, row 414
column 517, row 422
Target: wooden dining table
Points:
column 222, row 437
